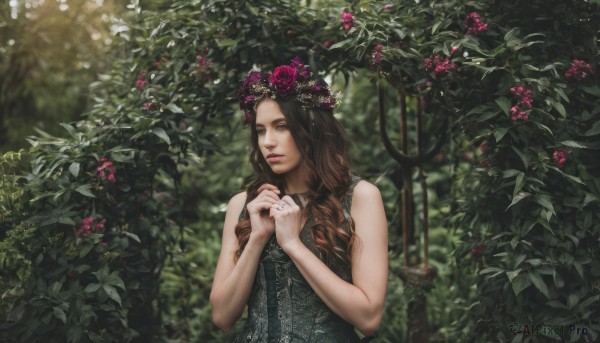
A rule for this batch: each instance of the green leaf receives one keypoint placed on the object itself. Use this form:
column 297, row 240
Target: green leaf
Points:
column 174, row 108
column 114, row 280
column 522, row 156
column 539, row 283
column 594, row 130
column 572, row 300
column 519, row 283
column 517, row 198
column 74, row 333
column 593, row 90
column 132, row 236
column 519, row 183
column 500, row 133
column 66, row 220
column 513, row 274
column 85, row 190
column 560, row 109
column 60, row 314
column 91, row 288
column 545, row 201
column 112, row 293
column 573, row 144
column 504, row 103
column 160, row 132
column 74, row 168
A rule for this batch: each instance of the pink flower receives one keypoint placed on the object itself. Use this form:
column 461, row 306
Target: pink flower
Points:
column 578, row 70
column 141, row 81
column 474, row 24
column 283, row 79
column 376, row 56
column 347, row 21
column 202, row 69
column 524, row 97
column 560, row 157
column 86, row 226
column 388, row 7
column 106, row 170
column 438, row 65
column 329, row 43
column 453, row 50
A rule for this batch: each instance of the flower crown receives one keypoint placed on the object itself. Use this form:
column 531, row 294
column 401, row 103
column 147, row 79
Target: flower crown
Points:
column 285, row 81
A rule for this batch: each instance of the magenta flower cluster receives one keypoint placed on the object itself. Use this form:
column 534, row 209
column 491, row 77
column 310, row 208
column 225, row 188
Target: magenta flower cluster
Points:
column 578, row 70
column 438, row 64
column 106, row 170
column 560, row 157
column 90, row 225
column 474, row 24
column 376, row 56
column 202, row 68
column 141, row 81
column 347, row 21
column 287, row 80
column 524, row 99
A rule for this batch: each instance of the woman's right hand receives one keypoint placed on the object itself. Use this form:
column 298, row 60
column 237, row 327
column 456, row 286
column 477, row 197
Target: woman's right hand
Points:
column 263, row 226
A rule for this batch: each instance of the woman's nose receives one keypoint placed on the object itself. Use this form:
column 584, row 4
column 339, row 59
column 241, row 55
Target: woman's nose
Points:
column 269, row 139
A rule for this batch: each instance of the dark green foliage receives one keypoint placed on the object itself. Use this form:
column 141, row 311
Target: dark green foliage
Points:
column 526, row 228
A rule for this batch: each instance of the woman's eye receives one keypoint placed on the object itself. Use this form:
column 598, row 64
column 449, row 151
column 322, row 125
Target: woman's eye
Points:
column 282, row 127
column 260, row 132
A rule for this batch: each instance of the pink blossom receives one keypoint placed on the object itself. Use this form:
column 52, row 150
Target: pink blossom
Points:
column 474, row 24
column 347, row 21
column 141, row 81
column 202, row 68
column 376, row 56
column 453, row 50
column 524, row 97
column 388, row 7
column 578, row 70
column 106, row 170
column 438, row 64
column 560, row 157
column 86, row 226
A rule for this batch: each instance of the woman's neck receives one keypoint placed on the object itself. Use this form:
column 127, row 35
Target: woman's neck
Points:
column 294, row 184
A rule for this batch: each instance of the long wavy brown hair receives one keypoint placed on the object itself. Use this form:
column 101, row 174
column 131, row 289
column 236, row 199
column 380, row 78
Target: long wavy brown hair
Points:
column 325, row 165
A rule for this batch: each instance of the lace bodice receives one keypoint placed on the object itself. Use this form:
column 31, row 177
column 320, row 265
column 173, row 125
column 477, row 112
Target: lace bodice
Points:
column 283, row 307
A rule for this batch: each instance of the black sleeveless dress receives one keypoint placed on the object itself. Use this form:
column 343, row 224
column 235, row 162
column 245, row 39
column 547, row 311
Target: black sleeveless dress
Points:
column 283, row 308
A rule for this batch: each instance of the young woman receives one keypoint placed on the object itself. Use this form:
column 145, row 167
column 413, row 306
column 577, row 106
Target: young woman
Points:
column 305, row 247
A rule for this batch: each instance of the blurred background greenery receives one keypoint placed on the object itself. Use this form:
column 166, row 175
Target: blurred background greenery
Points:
column 179, row 139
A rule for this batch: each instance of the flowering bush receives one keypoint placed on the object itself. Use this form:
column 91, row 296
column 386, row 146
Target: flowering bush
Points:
column 85, row 253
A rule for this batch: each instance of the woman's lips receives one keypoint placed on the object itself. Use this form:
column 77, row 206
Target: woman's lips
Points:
column 272, row 158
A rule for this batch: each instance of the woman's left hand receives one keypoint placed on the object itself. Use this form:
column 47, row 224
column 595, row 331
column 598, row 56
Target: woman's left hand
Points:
column 288, row 217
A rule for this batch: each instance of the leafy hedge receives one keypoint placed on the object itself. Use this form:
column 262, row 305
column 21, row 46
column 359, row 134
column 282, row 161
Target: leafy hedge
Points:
column 88, row 232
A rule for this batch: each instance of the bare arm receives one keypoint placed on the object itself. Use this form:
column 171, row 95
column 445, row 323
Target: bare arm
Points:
column 232, row 283
column 361, row 302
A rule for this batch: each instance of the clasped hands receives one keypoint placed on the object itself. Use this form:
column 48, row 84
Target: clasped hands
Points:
column 270, row 214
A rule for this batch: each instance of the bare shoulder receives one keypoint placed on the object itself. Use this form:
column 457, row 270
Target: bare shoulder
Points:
column 238, row 200
column 364, row 191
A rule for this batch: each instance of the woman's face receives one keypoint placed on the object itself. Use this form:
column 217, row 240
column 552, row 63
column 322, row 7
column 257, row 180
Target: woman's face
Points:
column 274, row 138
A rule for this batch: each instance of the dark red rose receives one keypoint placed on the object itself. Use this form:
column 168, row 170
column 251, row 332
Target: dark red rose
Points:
column 283, row 79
